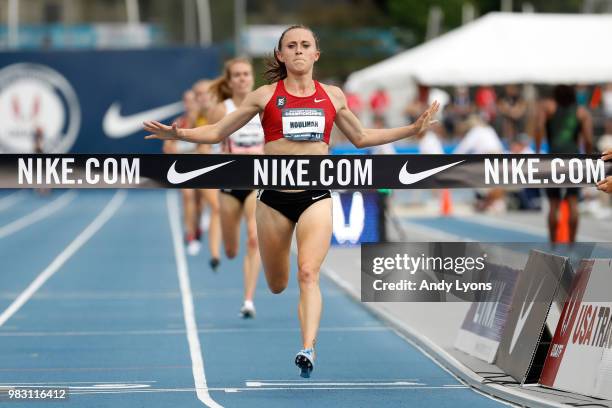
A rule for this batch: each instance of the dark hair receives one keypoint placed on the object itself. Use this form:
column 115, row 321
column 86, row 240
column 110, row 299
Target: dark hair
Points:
column 275, row 69
column 219, row 87
column 564, row 95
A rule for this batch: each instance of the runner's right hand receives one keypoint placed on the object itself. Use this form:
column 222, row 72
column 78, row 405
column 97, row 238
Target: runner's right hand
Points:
column 161, row 131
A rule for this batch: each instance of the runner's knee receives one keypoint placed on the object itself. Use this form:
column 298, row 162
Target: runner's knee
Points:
column 188, row 194
column 231, row 252
column 252, row 240
column 277, row 287
column 308, row 274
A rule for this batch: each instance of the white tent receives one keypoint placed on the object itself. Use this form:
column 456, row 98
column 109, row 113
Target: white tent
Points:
column 502, row 48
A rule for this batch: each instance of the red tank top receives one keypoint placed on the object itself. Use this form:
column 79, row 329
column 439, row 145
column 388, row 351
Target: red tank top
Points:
column 298, row 118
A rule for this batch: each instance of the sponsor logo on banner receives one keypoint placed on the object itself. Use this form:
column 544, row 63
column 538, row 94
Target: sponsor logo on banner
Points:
column 535, row 172
column 535, row 291
column 258, row 171
column 294, row 172
column 410, row 178
column 580, row 356
column 35, row 98
column 482, row 327
column 348, row 232
column 117, row 126
column 175, row 177
column 355, row 217
column 524, row 315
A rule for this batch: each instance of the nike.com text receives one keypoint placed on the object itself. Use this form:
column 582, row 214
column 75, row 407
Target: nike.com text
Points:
column 62, row 171
column 515, row 171
column 346, row 172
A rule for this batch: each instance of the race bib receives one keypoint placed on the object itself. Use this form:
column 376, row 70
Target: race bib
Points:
column 304, row 124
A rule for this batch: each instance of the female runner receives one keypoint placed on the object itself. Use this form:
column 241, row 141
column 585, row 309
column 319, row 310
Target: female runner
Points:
column 190, row 196
column 208, row 196
column 297, row 116
column 231, row 89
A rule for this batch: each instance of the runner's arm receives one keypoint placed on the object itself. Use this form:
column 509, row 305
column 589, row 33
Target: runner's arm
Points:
column 209, row 134
column 348, row 123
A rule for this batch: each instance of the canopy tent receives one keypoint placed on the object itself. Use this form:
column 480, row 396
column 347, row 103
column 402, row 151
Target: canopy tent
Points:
column 502, row 48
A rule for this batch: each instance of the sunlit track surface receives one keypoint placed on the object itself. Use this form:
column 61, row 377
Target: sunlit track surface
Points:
column 110, row 323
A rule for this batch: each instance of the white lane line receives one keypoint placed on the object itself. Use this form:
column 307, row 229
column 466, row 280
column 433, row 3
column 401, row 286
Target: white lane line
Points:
column 182, row 331
column 372, row 380
column 331, row 384
column 88, row 295
column 195, row 348
column 38, row 215
column 70, row 250
column 108, row 386
column 264, row 389
column 61, row 383
column 11, row 199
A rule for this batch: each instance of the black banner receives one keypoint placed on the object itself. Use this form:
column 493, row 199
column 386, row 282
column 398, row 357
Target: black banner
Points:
column 350, row 172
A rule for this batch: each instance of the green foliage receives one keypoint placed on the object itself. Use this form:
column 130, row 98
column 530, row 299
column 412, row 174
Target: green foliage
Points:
column 413, row 14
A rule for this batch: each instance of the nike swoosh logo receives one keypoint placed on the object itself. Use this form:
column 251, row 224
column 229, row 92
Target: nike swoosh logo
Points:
column 116, row 126
column 317, row 197
column 523, row 316
column 410, row 178
column 175, row 177
column 319, row 100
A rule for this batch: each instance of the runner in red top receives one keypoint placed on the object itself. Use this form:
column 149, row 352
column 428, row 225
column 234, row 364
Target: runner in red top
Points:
column 299, row 118
column 295, row 129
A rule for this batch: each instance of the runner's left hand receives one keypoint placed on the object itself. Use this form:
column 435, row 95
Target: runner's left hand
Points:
column 605, row 185
column 161, row 131
column 425, row 121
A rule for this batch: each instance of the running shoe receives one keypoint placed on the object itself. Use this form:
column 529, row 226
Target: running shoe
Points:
column 247, row 311
column 214, row 264
column 193, row 247
column 305, row 362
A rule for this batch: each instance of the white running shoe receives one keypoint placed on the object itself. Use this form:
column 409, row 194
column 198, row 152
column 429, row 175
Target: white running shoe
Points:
column 247, row 311
column 193, row 247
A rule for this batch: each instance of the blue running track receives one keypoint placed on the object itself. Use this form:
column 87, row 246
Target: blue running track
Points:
column 111, row 323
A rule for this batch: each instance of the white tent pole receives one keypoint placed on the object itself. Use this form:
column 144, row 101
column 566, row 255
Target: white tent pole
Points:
column 528, row 8
column 204, row 22
column 434, row 22
column 468, row 13
column 189, row 22
column 133, row 12
column 239, row 24
column 13, row 23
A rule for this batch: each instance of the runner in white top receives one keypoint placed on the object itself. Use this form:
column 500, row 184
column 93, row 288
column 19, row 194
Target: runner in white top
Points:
column 231, row 88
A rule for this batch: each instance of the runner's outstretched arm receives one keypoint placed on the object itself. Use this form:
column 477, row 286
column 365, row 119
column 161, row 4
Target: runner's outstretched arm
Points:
column 348, row 123
column 208, row 134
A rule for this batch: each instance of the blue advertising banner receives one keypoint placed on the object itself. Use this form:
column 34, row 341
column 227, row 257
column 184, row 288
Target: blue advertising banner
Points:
column 94, row 101
column 357, row 217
